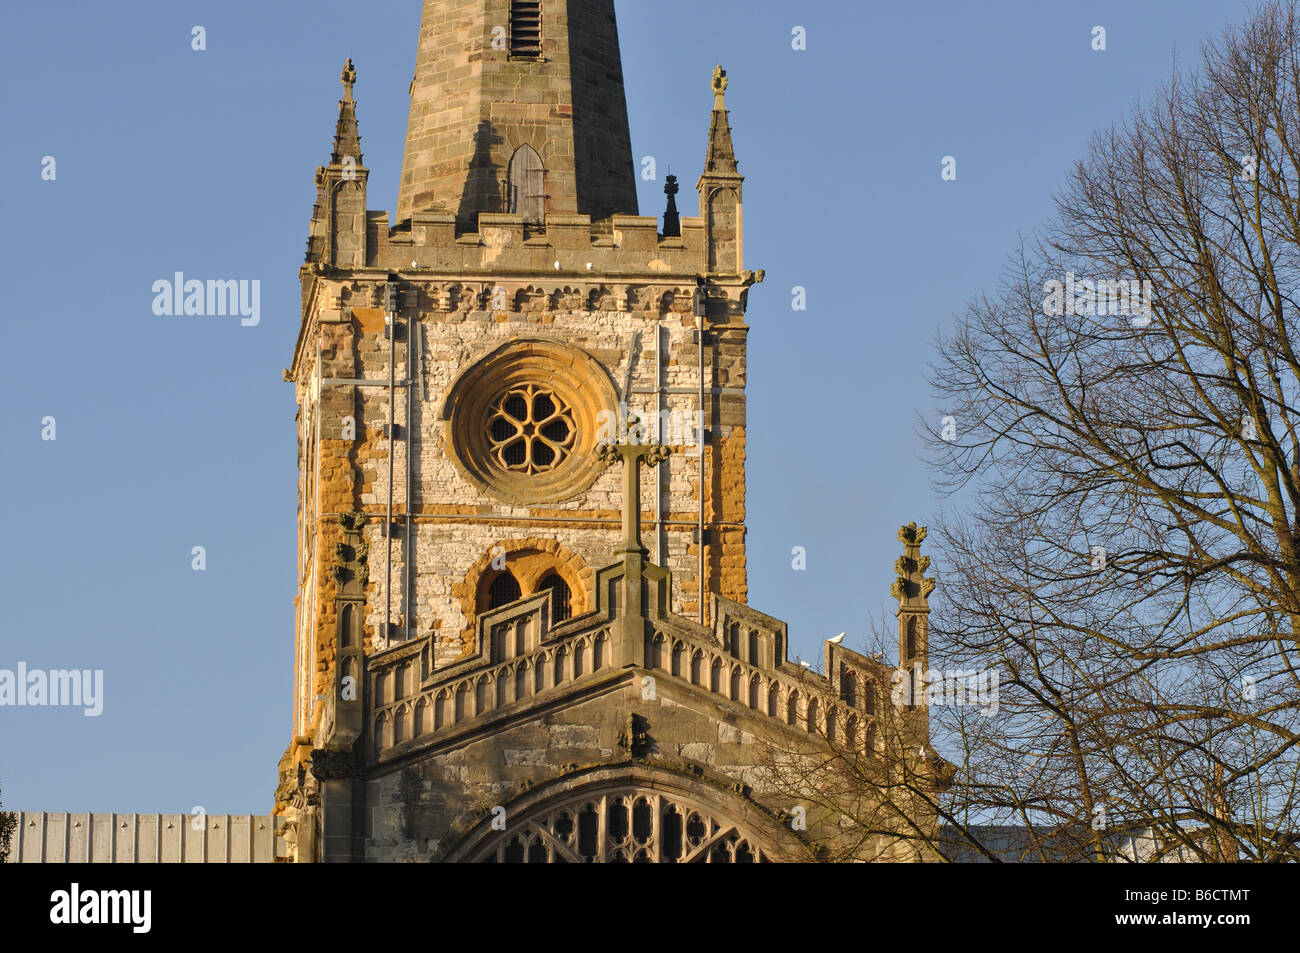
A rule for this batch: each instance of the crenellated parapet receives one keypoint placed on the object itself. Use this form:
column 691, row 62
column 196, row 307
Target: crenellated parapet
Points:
column 706, row 249
column 522, row 661
column 505, row 243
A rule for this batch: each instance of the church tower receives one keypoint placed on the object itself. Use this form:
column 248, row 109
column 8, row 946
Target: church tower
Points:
column 457, row 368
column 522, row 620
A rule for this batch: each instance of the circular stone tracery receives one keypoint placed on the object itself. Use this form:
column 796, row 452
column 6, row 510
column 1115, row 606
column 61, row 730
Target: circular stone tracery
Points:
column 532, row 430
column 523, row 420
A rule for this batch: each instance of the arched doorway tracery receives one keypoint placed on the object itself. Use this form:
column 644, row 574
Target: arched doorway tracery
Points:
column 627, row 820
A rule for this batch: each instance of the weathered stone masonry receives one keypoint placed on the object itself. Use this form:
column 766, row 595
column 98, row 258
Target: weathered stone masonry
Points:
column 473, row 350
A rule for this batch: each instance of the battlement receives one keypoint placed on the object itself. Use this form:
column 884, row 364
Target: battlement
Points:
column 521, row 660
column 622, row 245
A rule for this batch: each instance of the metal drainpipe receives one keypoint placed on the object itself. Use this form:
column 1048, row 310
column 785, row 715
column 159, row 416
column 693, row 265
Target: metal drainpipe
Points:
column 410, row 467
column 315, row 536
column 658, row 411
column 699, row 316
column 392, row 443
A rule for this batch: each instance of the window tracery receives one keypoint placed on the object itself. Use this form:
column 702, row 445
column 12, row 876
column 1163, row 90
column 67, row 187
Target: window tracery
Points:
column 623, row 827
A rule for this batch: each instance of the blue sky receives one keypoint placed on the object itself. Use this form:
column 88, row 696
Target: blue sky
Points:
column 178, row 432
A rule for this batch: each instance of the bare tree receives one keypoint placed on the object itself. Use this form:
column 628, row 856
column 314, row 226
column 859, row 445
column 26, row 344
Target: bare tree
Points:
column 864, row 799
column 1125, row 469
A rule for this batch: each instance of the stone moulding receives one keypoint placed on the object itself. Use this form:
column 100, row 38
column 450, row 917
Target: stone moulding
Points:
column 573, row 375
column 705, row 792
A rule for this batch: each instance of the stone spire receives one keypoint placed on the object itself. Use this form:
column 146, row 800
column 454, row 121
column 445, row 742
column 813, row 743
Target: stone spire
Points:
column 722, row 155
column 347, row 139
column 337, row 235
column 720, row 185
column 495, row 79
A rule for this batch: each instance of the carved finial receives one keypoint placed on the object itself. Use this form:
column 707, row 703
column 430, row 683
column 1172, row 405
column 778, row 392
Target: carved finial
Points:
column 722, row 154
column 912, row 535
column 347, row 139
column 910, row 582
column 719, row 89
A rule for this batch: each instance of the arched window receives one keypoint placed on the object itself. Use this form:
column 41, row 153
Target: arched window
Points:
column 527, row 185
column 561, row 599
column 505, row 590
column 630, row 825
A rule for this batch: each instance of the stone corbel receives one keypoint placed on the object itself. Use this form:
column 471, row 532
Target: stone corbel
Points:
column 335, row 762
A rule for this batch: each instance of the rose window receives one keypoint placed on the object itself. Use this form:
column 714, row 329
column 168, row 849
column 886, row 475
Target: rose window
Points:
column 531, row 430
column 522, row 421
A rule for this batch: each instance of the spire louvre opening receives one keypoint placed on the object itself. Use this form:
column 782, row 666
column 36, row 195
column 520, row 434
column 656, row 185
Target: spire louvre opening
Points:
column 526, row 28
